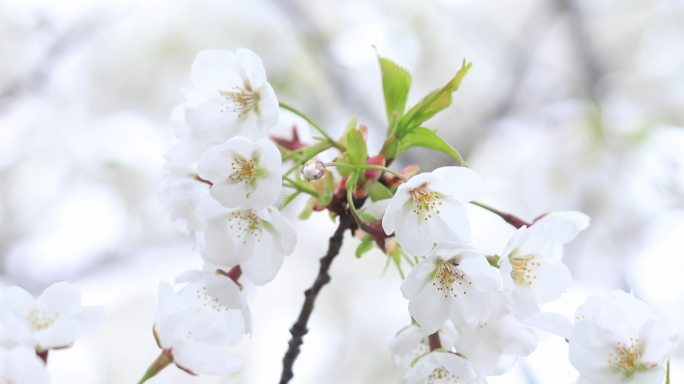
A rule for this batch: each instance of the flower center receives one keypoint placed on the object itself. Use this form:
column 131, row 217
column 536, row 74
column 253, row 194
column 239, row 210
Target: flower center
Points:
column 246, row 224
column 625, row 358
column 41, row 320
column 240, row 100
column 523, row 268
column 209, row 300
column 425, row 202
column 244, row 171
column 441, row 375
column 447, row 275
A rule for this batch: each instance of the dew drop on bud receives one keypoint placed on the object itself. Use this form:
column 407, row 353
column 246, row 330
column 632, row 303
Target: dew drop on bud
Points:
column 313, row 170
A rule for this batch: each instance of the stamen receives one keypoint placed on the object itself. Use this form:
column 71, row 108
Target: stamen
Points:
column 244, row 171
column 441, row 375
column 41, row 320
column 240, row 101
column 522, row 272
column 448, row 276
column 202, row 294
column 247, row 225
column 626, row 357
column 425, row 202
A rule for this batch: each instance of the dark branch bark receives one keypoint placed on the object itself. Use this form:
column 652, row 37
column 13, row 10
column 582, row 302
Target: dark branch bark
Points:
column 299, row 329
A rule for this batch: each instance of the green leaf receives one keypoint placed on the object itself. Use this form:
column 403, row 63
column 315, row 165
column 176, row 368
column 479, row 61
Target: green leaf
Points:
column 379, row 192
column 365, row 246
column 431, row 104
column 356, row 147
column 427, row 138
column 326, row 188
column 396, row 82
column 390, row 149
column 308, row 209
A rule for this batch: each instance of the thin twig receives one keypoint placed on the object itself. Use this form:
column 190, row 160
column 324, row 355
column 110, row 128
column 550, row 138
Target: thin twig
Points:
column 299, row 329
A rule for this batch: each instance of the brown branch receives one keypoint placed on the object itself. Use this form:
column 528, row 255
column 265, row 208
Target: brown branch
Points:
column 299, row 329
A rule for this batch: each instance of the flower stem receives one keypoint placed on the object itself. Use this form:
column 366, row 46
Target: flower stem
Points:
column 434, row 341
column 162, row 361
column 299, row 329
column 368, row 166
column 312, row 123
column 509, row 218
column 667, row 372
column 299, row 187
column 43, row 355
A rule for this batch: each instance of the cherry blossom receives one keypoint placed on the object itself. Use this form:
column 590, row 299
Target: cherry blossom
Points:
column 455, row 281
column 21, row 365
column 494, row 346
column 257, row 240
column 618, row 339
column 411, row 342
column 244, row 173
column 532, row 265
column 230, row 96
column 195, row 329
column 54, row 320
column 428, row 209
column 442, row 367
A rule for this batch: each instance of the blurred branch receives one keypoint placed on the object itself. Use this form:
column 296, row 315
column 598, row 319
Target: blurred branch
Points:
column 319, row 47
column 593, row 68
column 40, row 75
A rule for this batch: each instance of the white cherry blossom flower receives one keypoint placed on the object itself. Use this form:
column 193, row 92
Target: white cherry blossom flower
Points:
column 257, row 240
column 20, row 365
column 244, row 173
column 411, row 342
column 618, row 339
column 195, row 329
column 455, row 281
column 444, row 368
column 428, row 209
column 230, row 96
column 493, row 347
column 532, row 265
column 54, row 320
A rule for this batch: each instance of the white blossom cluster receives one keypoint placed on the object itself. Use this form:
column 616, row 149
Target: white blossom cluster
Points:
column 225, row 177
column 475, row 315
column 31, row 327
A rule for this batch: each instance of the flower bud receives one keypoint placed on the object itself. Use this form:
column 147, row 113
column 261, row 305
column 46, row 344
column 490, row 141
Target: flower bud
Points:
column 313, row 170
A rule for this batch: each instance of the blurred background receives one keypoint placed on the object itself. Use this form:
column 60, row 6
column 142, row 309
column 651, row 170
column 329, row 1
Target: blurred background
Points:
column 569, row 105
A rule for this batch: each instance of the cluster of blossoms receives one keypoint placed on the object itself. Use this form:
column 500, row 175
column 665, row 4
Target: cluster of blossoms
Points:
column 31, row 327
column 225, row 177
column 473, row 315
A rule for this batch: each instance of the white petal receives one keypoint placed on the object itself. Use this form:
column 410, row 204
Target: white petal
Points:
column 213, row 165
column 269, row 110
column 552, row 322
column 430, row 308
column 213, row 70
column 251, row 67
column 211, row 121
column 202, row 358
column 394, row 212
column 460, row 183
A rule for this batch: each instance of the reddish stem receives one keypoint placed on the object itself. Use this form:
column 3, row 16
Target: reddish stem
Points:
column 434, row 341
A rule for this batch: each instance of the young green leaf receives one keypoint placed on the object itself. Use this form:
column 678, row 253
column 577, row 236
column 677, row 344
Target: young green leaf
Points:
column 365, row 246
column 396, row 82
column 356, row 147
column 431, row 104
column 425, row 137
column 379, row 192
